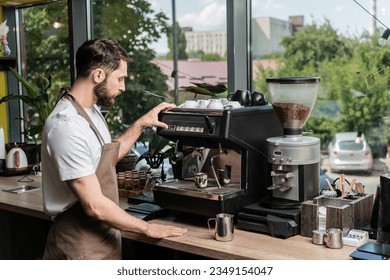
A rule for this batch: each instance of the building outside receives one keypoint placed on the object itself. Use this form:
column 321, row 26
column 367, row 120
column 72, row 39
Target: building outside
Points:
column 206, row 41
column 267, row 32
column 212, row 72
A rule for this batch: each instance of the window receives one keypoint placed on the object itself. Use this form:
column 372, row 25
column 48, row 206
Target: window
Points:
column 44, row 51
column 145, row 29
column 300, row 38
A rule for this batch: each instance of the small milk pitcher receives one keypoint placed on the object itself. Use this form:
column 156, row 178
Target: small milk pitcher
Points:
column 224, row 227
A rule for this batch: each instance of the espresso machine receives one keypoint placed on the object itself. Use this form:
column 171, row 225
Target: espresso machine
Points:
column 295, row 160
column 229, row 145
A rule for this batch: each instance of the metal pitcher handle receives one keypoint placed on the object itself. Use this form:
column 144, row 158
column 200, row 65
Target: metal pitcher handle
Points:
column 208, row 223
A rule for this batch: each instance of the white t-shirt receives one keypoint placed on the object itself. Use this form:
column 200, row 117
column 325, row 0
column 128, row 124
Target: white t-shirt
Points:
column 70, row 150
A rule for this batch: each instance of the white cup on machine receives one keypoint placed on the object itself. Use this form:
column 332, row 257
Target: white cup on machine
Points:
column 190, row 104
column 215, row 104
column 203, row 103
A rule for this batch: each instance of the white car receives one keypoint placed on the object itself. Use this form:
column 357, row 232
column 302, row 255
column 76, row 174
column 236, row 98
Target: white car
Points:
column 349, row 151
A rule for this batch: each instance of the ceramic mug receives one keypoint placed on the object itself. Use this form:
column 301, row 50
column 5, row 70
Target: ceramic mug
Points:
column 258, row 99
column 232, row 105
column 224, row 227
column 243, row 96
column 215, row 104
column 203, row 103
column 190, row 104
column 201, row 180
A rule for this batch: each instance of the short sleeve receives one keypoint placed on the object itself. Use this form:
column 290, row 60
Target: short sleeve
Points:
column 70, row 150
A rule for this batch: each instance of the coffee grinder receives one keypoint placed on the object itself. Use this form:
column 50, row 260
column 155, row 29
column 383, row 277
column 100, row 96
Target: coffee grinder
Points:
column 294, row 160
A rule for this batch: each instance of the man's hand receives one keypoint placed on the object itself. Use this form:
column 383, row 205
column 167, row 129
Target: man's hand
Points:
column 151, row 117
column 162, row 231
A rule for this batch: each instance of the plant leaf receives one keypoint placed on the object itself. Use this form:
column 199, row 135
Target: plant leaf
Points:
column 30, row 88
column 24, row 98
column 198, row 90
column 218, row 88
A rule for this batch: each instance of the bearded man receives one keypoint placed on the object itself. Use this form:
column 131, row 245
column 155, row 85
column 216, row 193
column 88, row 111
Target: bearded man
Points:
column 78, row 161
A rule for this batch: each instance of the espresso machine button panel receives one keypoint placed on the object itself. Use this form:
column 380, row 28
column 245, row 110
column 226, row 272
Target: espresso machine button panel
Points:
column 196, row 125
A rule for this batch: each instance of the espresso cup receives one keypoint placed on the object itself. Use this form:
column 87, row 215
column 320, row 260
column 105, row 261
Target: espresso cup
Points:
column 224, row 227
column 190, row 104
column 203, row 103
column 200, row 180
column 333, row 238
column 241, row 95
column 232, row 105
column 258, row 99
column 215, row 104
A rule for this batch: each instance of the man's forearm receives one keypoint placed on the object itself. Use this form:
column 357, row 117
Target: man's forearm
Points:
column 128, row 139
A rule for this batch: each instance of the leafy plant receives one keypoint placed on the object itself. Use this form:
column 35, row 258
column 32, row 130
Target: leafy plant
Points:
column 159, row 148
column 206, row 89
column 38, row 100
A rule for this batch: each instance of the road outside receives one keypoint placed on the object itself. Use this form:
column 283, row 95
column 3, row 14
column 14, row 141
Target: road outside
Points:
column 370, row 182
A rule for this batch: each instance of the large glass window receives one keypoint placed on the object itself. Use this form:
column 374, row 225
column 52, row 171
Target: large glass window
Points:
column 45, row 55
column 338, row 42
column 145, row 29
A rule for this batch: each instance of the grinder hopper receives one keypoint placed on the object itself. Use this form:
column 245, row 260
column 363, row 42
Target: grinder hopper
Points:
column 293, row 99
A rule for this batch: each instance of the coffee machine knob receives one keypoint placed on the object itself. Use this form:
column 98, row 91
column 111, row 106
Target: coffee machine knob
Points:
column 289, row 160
column 272, row 159
column 281, row 160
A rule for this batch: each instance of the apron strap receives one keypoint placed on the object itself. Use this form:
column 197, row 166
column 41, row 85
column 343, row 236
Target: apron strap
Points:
column 66, row 94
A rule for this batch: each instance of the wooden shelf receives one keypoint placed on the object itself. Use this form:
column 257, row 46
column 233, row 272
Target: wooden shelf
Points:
column 6, row 62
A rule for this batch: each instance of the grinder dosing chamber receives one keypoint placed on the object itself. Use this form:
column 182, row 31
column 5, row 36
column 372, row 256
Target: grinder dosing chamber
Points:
column 293, row 99
column 295, row 158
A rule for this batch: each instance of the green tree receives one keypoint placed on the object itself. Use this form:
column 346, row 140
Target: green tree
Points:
column 181, row 43
column 343, row 64
column 46, row 47
column 46, row 55
column 134, row 25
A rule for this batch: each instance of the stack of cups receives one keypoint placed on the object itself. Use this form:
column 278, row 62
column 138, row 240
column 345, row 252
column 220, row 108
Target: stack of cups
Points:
column 135, row 180
column 142, row 178
column 121, row 179
column 128, row 180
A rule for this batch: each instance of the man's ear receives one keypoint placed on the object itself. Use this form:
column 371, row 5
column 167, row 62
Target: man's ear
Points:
column 98, row 75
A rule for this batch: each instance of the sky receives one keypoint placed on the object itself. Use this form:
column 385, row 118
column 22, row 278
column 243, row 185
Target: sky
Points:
column 344, row 15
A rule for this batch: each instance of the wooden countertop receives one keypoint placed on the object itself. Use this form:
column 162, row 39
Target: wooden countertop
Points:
column 198, row 240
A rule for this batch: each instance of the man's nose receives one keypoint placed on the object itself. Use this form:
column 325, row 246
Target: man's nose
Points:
column 122, row 87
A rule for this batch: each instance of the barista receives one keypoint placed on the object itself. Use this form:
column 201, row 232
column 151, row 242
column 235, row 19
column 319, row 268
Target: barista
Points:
column 78, row 161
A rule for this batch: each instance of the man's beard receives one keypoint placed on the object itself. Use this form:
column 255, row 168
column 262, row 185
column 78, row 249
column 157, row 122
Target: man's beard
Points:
column 101, row 94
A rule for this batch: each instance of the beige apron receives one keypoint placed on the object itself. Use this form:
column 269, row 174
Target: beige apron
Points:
column 74, row 235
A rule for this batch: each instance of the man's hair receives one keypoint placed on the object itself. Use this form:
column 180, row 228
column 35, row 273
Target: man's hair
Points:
column 102, row 53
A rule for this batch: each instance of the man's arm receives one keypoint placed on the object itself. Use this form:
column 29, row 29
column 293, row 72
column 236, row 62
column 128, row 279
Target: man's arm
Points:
column 132, row 134
column 96, row 205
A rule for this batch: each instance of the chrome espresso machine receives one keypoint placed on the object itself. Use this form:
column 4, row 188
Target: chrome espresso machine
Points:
column 229, row 145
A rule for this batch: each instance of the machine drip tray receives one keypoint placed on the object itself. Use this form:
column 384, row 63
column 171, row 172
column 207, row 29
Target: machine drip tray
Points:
column 280, row 223
column 189, row 185
column 279, row 203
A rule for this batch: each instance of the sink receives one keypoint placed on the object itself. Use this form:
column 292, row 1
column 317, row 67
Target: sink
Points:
column 21, row 189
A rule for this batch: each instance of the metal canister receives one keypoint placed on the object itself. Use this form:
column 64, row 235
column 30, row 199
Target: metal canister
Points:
column 318, row 237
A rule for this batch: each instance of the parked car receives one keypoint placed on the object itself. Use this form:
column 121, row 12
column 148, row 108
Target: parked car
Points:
column 349, row 151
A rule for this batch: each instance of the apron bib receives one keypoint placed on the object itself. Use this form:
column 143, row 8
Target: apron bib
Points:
column 76, row 236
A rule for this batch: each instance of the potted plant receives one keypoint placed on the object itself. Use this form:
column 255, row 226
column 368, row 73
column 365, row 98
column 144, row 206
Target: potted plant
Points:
column 159, row 148
column 39, row 104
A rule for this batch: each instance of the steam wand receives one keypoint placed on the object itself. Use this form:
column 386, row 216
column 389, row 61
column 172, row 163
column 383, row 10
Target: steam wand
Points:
column 212, row 164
